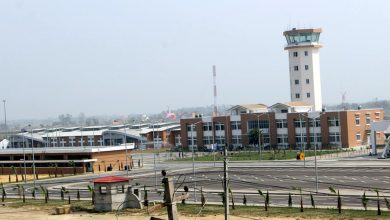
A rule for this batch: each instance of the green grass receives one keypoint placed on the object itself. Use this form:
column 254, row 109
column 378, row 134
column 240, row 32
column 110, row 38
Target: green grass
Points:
column 193, row 210
column 254, row 155
column 309, row 213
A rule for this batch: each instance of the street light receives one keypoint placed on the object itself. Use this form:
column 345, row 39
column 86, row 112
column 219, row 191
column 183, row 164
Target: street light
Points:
column 125, row 140
column 5, row 115
column 154, row 160
column 32, row 150
column 258, row 128
column 193, row 125
column 24, row 158
column 302, row 141
column 315, row 143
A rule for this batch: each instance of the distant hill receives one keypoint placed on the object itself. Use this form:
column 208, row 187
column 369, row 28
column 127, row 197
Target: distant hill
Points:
column 66, row 120
column 385, row 104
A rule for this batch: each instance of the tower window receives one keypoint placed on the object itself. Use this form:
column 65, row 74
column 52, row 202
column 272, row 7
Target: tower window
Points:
column 297, row 95
column 297, row 82
column 307, row 81
column 306, row 53
column 308, row 95
column 296, row 68
column 306, row 67
column 295, row 54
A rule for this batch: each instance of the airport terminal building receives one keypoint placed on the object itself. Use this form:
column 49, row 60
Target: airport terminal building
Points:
column 83, row 149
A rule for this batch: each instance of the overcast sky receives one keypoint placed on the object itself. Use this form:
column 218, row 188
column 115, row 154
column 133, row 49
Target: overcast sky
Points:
column 122, row 57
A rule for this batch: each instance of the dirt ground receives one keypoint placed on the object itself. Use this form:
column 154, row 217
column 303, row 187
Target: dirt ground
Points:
column 5, row 178
column 31, row 213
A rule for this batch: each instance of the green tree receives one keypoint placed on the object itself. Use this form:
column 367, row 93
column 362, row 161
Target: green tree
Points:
column 92, row 191
column 231, row 194
column 300, row 193
column 338, row 197
column 364, row 201
column 254, row 136
column 378, row 201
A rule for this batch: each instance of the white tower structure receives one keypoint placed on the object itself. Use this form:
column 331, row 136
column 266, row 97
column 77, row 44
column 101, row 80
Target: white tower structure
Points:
column 304, row 64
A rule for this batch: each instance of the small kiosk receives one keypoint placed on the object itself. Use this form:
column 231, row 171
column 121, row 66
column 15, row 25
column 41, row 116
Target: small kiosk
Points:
column 113, row 192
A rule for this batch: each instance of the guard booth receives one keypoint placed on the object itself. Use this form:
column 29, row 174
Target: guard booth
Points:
column 380, row 126
column 113, row 193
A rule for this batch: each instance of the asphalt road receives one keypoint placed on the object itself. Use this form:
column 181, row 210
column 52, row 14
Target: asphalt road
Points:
column 352, row 176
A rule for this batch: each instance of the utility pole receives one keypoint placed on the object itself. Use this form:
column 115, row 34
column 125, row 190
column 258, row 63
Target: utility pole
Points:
column 225, row 184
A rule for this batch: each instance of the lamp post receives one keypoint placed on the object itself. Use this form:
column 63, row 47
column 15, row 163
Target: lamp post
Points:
column 193, row 125
column 125, row 140
column 315, row 145
column 24, row 159
column 269, row 132
column 302, row 142
column 315, row 153
column 32, row 151
column 154, row 160
column 5, row 115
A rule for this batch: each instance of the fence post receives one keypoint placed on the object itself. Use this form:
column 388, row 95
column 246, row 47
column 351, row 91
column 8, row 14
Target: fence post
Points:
column 169, row 198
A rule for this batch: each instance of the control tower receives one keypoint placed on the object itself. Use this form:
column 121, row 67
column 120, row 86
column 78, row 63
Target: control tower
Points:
column 304, row 64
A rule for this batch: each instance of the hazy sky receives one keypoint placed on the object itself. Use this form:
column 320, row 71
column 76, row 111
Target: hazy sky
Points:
column 122, row 57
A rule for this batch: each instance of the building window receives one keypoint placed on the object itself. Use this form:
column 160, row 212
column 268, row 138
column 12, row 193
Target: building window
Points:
column 358, row 137
column 120, row 189
column 307, row 81
column 219, row 126
column 103, row 190
column 190, row 139
column 308, row 95
column 306, row 67
column 190, row 127
column 282, row 138
column 284, row 111
column 207, row 140
column 296, row 82
column 207, row 126
column 297, row 95
column 295, row 54
column 220, row 139
column 357, row 119
column 177, row 140
column 317, row 123
column 296, row 68
column 258, row 124
column 281, row 123
column 333, row 121
column 334, row 137
column 236, row 139
column 306, row 53
column 300, row 138
column 299, row 123
column 236, row 125
column 368, row 118
column 317, row 139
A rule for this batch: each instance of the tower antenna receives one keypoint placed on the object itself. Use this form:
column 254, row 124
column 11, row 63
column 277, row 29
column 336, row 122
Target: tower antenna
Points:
column 343, row 100
column 215, row 112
